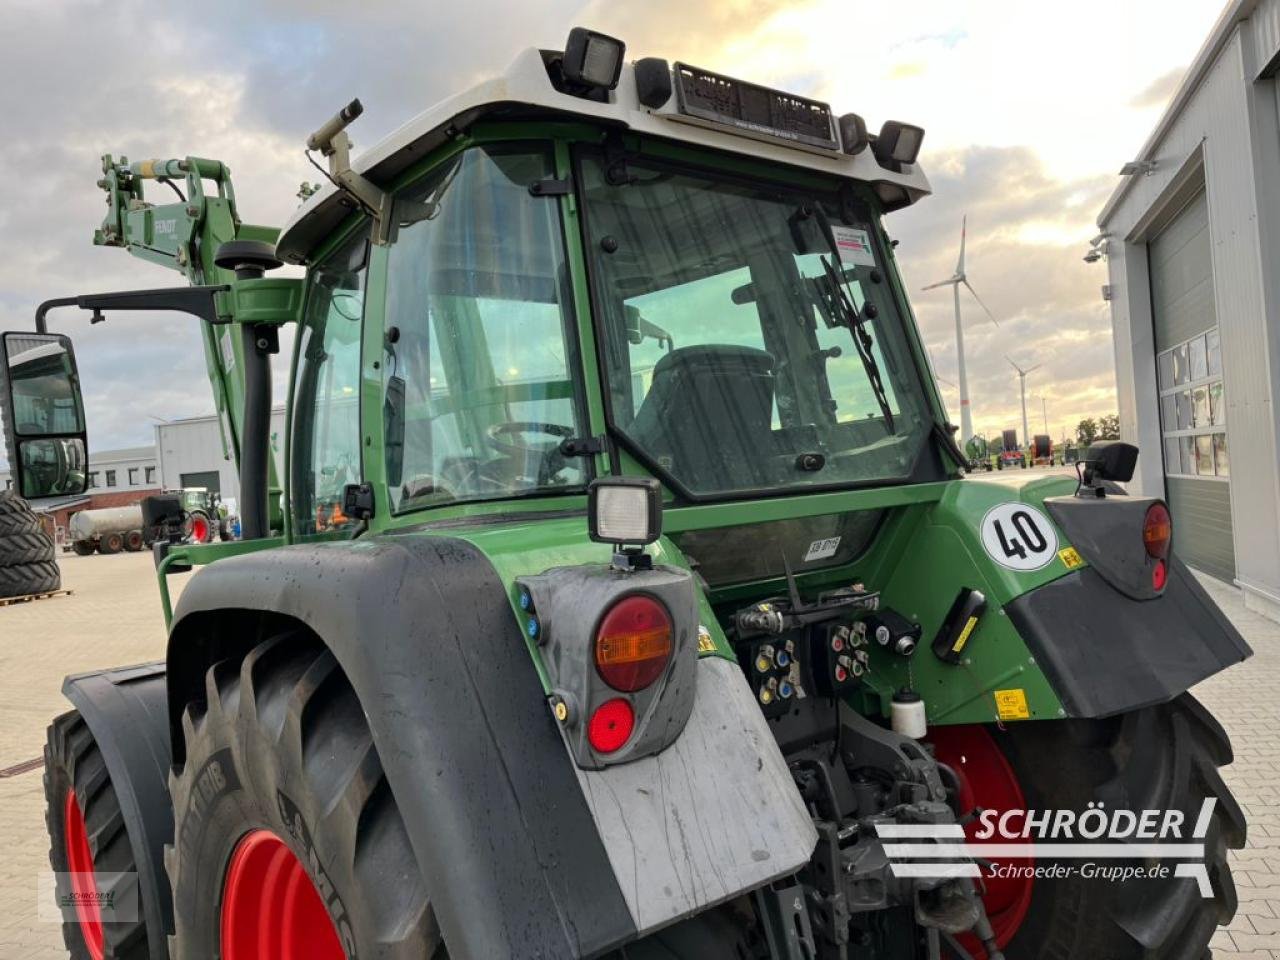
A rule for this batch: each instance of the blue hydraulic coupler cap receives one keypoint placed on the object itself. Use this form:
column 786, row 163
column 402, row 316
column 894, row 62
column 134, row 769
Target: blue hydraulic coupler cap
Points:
column 532, row 627
column 526, row 600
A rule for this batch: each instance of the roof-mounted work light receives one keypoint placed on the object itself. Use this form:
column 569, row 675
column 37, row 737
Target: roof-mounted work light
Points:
column 853, row 134
column 593, row 59
column 898, row 143
column 624, row 510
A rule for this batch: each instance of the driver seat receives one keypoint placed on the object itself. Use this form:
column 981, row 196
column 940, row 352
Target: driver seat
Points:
column 708, row 416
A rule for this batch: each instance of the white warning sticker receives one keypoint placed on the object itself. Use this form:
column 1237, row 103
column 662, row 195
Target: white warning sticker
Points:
column 854, row 246
column 821, row 549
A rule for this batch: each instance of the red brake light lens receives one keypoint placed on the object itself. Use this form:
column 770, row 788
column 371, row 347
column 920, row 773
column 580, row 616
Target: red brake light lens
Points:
column 1157, row 531
column 1159, row 575
column 610, row 725
column 633, row 644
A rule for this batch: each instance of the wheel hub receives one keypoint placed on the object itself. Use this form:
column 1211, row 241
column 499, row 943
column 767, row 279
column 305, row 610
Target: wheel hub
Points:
column 987, row 782
column 270, row 907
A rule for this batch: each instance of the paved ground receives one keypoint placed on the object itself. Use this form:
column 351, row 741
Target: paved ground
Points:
column 114, row 619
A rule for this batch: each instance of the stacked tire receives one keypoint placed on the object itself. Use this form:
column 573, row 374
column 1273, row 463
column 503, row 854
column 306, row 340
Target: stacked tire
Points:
column 27, row 564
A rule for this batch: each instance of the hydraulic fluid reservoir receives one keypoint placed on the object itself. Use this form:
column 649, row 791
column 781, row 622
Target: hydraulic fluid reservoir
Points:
column 907, row 714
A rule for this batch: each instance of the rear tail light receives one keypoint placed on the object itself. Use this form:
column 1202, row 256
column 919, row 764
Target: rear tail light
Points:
column 633, row 644
column 610, row 726
column 1157, row 531
column 1159, row 575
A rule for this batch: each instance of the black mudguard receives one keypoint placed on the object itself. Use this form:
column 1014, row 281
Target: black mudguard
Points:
column 424, row 630
column 126, row 711
column 1106, row 653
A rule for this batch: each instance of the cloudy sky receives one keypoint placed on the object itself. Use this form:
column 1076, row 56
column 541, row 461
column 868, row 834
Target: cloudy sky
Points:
column 1029, row 109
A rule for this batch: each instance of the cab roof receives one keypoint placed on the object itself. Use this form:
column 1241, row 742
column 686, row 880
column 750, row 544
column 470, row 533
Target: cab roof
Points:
column 526, row 91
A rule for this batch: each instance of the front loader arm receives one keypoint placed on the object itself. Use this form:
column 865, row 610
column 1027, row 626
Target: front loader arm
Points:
column 185, row 235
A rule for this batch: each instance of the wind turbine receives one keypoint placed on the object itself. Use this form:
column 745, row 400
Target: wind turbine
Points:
column 954, row 281
column 1022, row 377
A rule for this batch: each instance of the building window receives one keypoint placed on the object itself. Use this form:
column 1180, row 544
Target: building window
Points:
column 133, row 476
column 151, row 475
column 93, row 478
column 1193, row 409
column 111, row 478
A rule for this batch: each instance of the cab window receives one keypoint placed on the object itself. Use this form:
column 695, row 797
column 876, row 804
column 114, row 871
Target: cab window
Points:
column 482, row 384
column 325, row 454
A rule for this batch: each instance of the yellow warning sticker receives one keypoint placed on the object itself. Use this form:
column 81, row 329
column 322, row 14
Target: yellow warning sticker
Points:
column 1012, row 705
column 964, row 635
column 705, row 643
column 1070, row 558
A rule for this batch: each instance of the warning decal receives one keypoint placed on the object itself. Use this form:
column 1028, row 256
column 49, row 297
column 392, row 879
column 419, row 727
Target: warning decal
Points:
column 854, row 246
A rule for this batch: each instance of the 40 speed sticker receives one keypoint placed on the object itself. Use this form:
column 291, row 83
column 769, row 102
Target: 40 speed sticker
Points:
column 1018, row 536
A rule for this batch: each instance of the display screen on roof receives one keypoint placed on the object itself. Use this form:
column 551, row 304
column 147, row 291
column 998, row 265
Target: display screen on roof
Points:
column 748, row 106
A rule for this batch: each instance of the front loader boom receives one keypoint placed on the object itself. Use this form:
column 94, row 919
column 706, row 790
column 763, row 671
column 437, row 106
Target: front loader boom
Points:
column 185, row 235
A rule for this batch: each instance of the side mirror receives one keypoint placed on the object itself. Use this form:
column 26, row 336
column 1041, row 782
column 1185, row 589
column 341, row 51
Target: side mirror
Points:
column 1112, row 460
column 43, row 415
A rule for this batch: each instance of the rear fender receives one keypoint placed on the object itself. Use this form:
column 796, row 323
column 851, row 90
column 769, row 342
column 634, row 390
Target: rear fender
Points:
column 125, row 712
column 523, row 853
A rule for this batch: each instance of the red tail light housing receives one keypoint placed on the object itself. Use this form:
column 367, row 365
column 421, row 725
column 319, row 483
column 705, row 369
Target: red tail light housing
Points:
column 633, row 643
column 1157, row 531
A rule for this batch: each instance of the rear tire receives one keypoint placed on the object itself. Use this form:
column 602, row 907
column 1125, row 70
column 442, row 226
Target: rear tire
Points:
column 75, row 772
column 133, row 541
column 82, row 548
column 110, row 543
column 1162, row 757
column 281, row 744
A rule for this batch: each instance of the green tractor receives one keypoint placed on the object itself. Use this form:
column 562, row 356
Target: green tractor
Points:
column 623, row 594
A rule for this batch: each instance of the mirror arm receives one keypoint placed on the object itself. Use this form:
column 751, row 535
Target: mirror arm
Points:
column 197, row 301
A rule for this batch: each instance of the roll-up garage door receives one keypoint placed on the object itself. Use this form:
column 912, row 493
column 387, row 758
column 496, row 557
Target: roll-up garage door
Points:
column 1192, row 408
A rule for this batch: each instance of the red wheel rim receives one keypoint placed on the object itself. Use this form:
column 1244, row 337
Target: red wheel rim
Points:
column 270, row 908
column 84, row 887
column 987, row 781
column 199, row 530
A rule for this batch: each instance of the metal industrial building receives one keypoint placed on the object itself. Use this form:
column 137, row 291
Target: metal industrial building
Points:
column 1192, row 240
column 190, row 453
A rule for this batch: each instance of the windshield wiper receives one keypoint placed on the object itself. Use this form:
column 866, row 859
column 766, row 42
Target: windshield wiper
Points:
column 849, row 316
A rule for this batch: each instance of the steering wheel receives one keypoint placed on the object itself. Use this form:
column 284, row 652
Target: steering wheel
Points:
column 500, row 437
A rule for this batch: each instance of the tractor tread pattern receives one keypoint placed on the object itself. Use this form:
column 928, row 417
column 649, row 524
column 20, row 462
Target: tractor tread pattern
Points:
column 22, row 548
column 25, row 579
column 1165, row 757
column 72, row 760
column 291, row 719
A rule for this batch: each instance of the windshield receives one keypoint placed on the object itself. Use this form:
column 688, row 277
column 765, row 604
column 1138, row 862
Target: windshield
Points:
column 743, row 352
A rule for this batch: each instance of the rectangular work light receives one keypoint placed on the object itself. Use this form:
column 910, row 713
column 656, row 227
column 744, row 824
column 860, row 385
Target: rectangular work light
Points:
column 624, row 510
column 592, row 58
column 898, row 143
